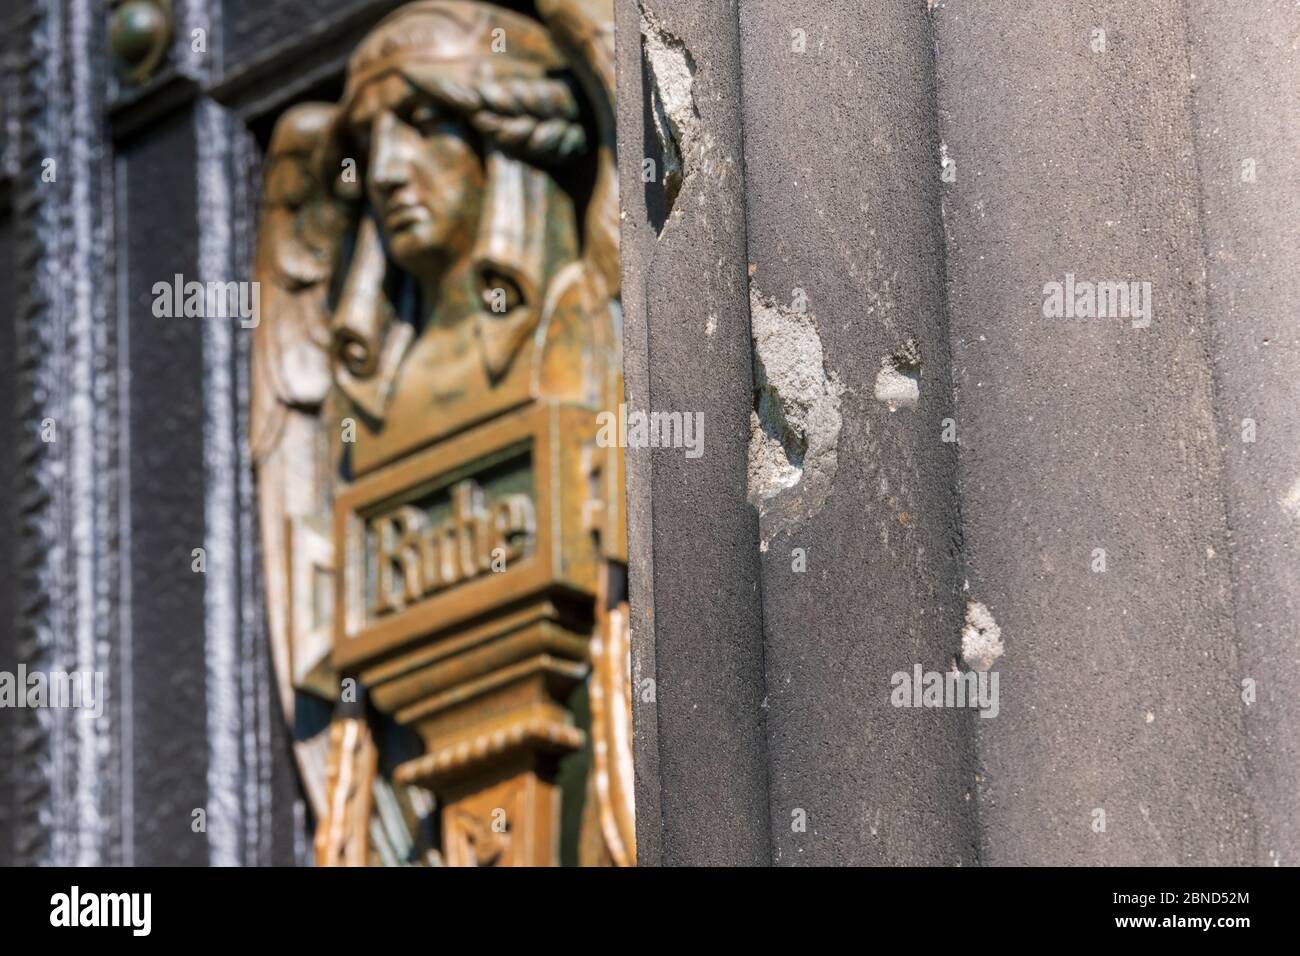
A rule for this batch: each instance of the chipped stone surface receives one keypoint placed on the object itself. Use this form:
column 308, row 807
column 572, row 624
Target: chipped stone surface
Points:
column 772, row 467
column 1070, row 443
column 673, row 111
column 898, row 383
column 1067, row 441
column 795, row 427
column 981, row 638
column 1291, row 501
column 847, row 212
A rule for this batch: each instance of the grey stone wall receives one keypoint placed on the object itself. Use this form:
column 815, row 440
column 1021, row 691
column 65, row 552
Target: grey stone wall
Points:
column 687, row 344
column 1246, row 121
column 1105, row 510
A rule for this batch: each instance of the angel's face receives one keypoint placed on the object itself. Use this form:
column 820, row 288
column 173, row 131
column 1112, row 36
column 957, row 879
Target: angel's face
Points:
column 423, row 176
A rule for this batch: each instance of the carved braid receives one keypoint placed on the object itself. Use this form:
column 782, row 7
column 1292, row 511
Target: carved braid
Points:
column 537, row 118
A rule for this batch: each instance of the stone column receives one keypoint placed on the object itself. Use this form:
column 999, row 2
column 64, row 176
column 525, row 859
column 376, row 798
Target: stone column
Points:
column 1246, row 124
column 1090, row 457
column 687, row 349
column 861, row 577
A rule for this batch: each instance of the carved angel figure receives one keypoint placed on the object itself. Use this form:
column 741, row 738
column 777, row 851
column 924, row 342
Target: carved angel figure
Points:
column 439, row 268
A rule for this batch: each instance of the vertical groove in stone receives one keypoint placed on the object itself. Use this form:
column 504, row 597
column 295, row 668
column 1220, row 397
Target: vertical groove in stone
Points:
column 241, row 763
column 1246, row 116
column 9, row 570
column 227, row 805
column 846, row 272
column 260, row 705
column 95, row 476
column 1089, row 440
column 635, row 245
column 11, row 62
column 34, row 215
column 125, row 670
column 165, row 403
column 30, row 781
column 67, row 802
column 711, row 780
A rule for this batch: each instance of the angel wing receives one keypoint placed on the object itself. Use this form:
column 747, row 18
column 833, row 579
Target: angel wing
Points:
column 298, row 242
column 584, row 30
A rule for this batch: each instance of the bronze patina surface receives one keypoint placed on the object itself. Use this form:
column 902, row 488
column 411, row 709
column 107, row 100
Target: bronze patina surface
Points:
column 445, row 544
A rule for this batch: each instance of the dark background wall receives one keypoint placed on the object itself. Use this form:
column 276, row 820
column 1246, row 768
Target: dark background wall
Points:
column 9, row 460
column 150, row 460
column 153, row 179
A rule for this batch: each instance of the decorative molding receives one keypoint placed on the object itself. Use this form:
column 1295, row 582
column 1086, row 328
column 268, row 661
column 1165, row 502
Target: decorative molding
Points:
column 69, row 802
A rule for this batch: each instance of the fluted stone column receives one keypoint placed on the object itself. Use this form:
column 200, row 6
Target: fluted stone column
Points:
column 1092, row 476
column 813, row 259
column 861, row 576
column 1114, row 530
column 1247, row 127
column 693, row 537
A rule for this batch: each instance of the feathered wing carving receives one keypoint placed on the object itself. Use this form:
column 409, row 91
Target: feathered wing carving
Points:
column 299, row 237
column 584, row 30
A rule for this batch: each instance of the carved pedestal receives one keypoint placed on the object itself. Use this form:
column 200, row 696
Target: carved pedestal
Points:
column 468, row 594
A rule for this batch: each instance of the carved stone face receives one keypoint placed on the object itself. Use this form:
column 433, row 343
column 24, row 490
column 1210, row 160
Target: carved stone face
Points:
column 423, row 177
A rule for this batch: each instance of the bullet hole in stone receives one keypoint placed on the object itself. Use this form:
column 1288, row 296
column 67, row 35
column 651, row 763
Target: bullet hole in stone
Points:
column 981, row 638
column 795, row 424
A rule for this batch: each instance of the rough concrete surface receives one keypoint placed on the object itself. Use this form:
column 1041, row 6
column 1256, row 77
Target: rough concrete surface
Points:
column 1246, row 118
column 795, row 426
